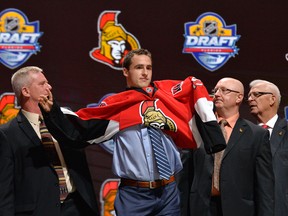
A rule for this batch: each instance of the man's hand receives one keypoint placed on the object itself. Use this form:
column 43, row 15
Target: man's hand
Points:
column 46, row 101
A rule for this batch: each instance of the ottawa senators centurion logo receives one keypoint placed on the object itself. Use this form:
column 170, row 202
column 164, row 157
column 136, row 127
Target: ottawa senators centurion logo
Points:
column 114, row 41
column 152, row 116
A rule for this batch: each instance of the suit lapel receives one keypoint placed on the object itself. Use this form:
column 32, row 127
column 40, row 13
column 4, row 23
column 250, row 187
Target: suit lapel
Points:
column 27, row 129
column 277, row 135
column 238, row 130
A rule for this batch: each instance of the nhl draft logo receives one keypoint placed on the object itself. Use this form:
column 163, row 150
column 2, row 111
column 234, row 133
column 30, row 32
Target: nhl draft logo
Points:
column 18, row 38
column 114, row 41
column 210, row 41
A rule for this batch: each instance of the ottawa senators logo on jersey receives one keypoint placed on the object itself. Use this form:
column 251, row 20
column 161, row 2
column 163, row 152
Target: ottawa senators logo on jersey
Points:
column 114, row 41
column 152, row 116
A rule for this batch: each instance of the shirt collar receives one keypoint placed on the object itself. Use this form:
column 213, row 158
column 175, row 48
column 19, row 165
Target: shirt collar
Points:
column 231, row 120
column 32, row 117
column 271, row 122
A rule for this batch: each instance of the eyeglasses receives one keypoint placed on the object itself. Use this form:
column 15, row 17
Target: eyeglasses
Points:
column 255, row 95
column 223, row 91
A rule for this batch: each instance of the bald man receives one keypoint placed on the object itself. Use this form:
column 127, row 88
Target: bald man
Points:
column 264, row 99
column 243, row 182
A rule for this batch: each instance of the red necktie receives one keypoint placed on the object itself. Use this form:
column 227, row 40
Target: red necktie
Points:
column 265, row 126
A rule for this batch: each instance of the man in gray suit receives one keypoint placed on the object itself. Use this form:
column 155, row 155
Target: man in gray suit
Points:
column 264, row 99
column 245, row 184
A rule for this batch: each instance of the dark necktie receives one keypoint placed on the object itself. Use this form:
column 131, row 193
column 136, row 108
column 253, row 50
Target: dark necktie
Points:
column 50, row 149
column 160, row 154
column 218, row 157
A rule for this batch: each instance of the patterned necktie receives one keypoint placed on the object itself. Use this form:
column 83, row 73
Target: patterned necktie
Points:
column 50, row 149
column 218, row 157
column 160, row 154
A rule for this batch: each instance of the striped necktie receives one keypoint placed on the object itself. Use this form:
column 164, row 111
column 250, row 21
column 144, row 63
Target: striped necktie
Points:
column 160, row 154
column 53, row 157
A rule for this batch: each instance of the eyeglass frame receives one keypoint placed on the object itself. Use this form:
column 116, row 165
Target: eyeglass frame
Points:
column 258, row 94
column 222, row 90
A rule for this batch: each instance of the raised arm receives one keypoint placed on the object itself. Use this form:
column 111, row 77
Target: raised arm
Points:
column 67, row 127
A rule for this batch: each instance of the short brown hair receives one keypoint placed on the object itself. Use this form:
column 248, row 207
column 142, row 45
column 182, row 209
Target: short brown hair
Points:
column 127, row 59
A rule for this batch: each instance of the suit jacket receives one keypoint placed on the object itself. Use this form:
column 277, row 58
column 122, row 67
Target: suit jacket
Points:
column 184, row 180
column 36, row 190
column 246, row 175
column 279, row 149
column 6, row 180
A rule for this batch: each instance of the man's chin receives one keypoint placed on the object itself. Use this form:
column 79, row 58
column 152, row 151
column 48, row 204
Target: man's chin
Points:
column 253, row 111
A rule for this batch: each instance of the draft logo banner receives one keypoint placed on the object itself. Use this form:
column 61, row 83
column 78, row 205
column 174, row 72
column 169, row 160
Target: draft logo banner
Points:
column 18, row 38
column 211, row 42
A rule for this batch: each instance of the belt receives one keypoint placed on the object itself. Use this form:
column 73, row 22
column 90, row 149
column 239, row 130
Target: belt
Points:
column 147, row 184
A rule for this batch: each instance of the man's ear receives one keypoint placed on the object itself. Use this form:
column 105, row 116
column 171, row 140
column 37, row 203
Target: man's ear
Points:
column 125, row 72
column 239, row 98
column 272, row 100
column 25, row 92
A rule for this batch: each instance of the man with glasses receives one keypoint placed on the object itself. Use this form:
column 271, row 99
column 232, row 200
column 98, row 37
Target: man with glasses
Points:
column 239, row 180
column 264, row 99
column 144, row 122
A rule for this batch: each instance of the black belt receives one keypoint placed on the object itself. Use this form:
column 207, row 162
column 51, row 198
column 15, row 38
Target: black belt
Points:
column 147, row 184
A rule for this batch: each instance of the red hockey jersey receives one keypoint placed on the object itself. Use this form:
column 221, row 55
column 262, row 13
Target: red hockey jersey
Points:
column 170, row 105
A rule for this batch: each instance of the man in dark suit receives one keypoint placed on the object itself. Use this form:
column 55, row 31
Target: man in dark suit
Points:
column 32, row 184
column 184, row 180
column 6, row 180
column 245, row 183
column 264, row 99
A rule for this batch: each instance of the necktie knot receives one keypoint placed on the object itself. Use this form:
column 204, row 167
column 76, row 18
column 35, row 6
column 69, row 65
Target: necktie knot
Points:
column 265, row 126
column 223, row 122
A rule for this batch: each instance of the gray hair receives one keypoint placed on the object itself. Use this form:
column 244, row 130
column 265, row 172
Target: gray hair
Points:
column 271, row 86
column 21, row 78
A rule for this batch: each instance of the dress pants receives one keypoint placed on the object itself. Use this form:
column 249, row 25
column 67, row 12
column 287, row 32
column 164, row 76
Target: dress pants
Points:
column 138, row 201
column 74, row 205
